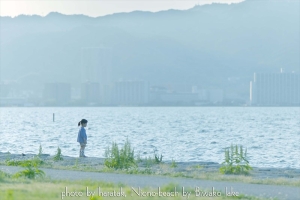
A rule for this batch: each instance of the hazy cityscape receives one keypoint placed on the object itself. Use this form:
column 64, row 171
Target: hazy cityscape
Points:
column 277, row 89
column 148, row 59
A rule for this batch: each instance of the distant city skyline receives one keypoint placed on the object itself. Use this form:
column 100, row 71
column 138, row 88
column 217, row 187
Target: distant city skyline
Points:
column 95, row 8
column 202, row 56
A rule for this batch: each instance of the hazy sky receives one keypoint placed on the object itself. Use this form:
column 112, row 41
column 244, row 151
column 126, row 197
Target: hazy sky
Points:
column 95, row 8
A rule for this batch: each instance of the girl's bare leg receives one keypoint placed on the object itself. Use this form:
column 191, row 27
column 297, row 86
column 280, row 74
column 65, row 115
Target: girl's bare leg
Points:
column 82, row 147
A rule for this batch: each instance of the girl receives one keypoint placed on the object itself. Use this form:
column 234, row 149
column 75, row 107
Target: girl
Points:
column 82, row 137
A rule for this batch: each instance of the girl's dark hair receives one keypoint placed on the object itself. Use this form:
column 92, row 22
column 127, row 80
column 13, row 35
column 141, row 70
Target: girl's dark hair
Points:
column 83, row 121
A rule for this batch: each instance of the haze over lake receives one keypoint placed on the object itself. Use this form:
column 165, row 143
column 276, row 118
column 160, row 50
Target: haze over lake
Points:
column 214, row 49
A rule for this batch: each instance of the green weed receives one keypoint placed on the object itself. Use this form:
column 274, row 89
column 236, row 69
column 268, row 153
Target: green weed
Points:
column 173, row 164
column 58, row 155
column 10, row 194
column 3, row 175
column 120, row 158
column 235, row 161
column 157, row 158
column 139, row 171
column 31, row 170
column 35, row 160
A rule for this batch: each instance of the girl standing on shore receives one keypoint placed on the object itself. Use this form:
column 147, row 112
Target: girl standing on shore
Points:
column 82, row 137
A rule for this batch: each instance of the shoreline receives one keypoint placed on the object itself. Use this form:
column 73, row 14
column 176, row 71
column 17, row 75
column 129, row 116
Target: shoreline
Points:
column 101, row 159
column 201, row 169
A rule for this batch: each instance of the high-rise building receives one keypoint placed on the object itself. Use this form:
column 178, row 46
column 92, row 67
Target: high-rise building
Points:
column 131, row 93
column 106, row 92
column 96, row 75
column 90, row 93
column 96, row 65
column 57, row 94
column 275, row 89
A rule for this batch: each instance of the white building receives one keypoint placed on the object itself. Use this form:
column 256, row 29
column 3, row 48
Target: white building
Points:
column 90, row 93
column 131, row 93
column 275, row 89
column 57, row 93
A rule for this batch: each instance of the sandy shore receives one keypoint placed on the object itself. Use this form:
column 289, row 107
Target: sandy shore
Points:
column 187, row 169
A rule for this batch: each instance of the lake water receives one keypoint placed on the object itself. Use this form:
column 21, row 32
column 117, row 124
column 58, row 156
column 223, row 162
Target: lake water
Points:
column 271, row 135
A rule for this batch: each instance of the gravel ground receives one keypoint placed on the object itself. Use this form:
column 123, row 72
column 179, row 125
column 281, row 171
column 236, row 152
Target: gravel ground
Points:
column 183, row 167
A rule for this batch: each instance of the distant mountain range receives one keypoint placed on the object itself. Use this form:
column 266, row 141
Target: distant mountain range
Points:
column 205, row 45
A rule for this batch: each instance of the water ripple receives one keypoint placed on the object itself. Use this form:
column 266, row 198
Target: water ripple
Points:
column 183, row 134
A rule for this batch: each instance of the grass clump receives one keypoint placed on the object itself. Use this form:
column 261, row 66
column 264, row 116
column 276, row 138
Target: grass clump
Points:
column 35, row 161
column 154, row 160
column 139, row 171
column 173, row 164
column 150, row 161
column 120, row 158
column 3, row 175
column 58, row 155
column 198, row 167
column 157, row 158
column 235, row 161
column 31, row 170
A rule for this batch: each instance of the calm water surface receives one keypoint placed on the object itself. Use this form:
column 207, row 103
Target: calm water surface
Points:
column 271, row 135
